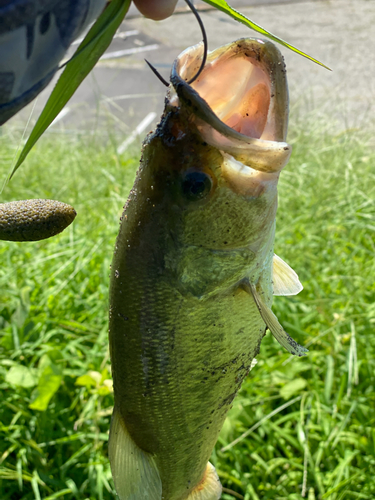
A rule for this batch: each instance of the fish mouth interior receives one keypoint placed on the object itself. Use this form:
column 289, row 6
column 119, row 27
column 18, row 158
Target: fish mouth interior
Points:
column 244, row 84
column 239, row 103
column 239, row 93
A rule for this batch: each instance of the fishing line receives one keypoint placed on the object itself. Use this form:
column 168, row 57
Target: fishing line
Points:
column 205, row 49
column 155, row 71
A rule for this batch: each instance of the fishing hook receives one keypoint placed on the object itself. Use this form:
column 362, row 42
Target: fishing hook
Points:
column 205, row 49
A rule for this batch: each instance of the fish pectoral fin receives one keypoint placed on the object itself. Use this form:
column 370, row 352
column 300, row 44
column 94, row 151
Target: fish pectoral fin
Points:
column 273, row 324
column 209, row 488
column 134, row 471
column 285, row 280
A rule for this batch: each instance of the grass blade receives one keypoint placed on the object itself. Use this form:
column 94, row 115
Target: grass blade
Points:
column 260, row 422
column 227, row 9
column 88, row 53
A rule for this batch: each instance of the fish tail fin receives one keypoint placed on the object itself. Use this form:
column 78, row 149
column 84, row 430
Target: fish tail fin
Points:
column 134, row 471
column 209, row 488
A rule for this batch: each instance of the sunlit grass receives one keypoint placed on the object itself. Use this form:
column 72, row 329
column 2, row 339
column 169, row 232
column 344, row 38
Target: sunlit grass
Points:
column 53, row 340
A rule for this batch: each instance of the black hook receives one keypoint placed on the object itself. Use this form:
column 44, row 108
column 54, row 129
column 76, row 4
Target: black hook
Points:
column 205, row 49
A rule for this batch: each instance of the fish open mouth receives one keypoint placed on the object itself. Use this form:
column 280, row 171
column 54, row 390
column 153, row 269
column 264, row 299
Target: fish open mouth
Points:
column 239, row 92
column 240, row 100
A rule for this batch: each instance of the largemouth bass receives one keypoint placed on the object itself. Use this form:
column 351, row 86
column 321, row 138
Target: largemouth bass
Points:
column 194, row 273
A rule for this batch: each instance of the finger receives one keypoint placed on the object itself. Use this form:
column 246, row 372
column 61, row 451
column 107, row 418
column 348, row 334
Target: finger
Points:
column 156, row 9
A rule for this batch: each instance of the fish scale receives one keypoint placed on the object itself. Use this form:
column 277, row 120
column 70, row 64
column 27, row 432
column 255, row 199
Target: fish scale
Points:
column 159, row 403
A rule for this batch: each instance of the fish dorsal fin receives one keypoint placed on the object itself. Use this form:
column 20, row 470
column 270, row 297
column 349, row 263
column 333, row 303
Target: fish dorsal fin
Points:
column 209, row 488
column 273, row 324
column 134, row 471
column 285, row 280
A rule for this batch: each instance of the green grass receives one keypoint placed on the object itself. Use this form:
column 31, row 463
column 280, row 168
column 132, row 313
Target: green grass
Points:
column 56, row 395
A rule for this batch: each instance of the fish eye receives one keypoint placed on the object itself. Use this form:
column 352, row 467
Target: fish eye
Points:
column 196, row 185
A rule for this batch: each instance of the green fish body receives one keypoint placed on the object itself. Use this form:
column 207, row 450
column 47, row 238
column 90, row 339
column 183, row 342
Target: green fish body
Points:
column 194, row 272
